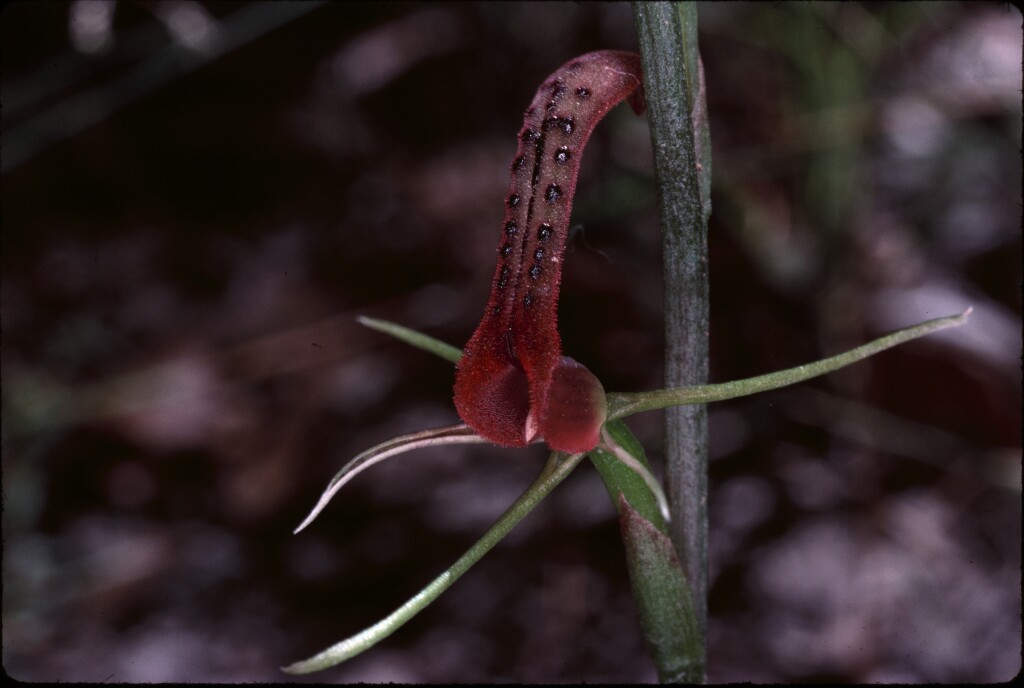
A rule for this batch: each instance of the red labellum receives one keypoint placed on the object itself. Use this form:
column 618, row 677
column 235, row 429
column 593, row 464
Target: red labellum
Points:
column 576, row 408
column 512, row 383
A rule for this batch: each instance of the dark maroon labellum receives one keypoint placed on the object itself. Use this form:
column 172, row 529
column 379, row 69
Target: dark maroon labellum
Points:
column 512, row 383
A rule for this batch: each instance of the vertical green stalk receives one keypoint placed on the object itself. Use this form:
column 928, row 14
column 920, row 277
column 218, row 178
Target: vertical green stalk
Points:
column 667, row 35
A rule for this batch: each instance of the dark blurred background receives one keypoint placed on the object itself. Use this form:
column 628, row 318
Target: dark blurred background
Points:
column 199, row 198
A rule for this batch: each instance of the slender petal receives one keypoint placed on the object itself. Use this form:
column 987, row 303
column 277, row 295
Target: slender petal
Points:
column 455, row 434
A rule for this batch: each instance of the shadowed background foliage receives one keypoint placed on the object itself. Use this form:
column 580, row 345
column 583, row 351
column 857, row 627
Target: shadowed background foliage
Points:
column 199, row 198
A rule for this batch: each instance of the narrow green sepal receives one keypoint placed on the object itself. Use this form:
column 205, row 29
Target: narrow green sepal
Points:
column 557, row 468
column 418, row 339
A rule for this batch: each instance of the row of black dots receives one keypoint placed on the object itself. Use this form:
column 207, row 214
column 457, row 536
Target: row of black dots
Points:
column 544, row 232
column 505, row 249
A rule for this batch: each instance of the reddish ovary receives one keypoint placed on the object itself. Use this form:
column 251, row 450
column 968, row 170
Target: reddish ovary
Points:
column 512, row 383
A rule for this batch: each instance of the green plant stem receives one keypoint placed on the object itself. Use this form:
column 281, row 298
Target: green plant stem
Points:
column 667, row 35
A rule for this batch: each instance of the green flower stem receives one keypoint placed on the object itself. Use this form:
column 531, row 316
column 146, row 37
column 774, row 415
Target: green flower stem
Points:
column 622, row 405
column 677, row 114
column 559, row 466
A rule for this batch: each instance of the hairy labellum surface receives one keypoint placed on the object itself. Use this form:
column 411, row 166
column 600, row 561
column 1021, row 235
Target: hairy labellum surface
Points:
column 512, row 383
